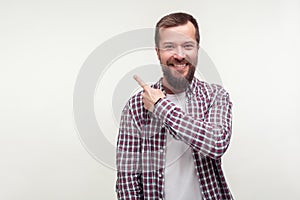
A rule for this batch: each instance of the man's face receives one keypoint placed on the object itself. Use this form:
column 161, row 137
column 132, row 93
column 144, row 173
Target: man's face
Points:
column 178, row 54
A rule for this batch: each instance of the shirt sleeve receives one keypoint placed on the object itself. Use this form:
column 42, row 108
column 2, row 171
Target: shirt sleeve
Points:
column 211, row 134
column 128, row 184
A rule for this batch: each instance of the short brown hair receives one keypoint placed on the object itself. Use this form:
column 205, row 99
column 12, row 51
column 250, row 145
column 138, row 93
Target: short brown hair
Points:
column 176, row 19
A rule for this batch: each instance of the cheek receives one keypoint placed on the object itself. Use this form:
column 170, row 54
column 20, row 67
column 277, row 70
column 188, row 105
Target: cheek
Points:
column 163, row 57
column 193, row 57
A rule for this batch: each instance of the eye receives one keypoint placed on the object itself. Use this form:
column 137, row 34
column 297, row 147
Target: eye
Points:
column 189, row 46
column 168, row 47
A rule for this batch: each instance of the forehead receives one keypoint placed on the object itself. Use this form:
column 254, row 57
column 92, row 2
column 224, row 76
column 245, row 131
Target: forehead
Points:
column 180, row 33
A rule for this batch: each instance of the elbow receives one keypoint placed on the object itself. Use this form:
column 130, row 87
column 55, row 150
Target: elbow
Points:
column 218, row 151
column 218, row 147
column 220, row 144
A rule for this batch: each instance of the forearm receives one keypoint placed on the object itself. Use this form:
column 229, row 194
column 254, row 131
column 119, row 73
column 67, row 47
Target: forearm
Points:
column 210, row 135
column 128, row 190
column 128, row 185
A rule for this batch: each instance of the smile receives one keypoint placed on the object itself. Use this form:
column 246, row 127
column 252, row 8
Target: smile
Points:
column 179, row 66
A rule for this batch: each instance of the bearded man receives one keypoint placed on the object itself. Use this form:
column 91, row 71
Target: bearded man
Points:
column 173, row 134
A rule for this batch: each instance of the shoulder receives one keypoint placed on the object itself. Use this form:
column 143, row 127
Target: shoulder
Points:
column 134, row 105
column 208, row 90
column 133, row 111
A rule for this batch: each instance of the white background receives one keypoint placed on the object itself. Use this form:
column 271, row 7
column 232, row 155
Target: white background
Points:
column 255, row 46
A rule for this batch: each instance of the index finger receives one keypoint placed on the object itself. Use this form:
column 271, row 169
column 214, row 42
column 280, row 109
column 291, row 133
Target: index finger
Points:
column 140, row 81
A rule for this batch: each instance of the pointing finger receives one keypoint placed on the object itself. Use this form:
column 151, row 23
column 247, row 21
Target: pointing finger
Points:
column 140, row 81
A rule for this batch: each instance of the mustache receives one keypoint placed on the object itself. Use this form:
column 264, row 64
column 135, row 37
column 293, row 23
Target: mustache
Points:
column 175, row 61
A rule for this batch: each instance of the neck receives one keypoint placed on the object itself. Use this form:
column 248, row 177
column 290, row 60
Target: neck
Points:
column 169, row 89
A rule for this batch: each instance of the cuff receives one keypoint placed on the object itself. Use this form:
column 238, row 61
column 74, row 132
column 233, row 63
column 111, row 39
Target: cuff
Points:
column 163, row 108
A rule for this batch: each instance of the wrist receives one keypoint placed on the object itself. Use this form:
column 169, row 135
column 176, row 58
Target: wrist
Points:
column 158, row 100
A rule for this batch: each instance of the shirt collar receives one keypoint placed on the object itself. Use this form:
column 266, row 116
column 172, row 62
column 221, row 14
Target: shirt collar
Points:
column 190, row 90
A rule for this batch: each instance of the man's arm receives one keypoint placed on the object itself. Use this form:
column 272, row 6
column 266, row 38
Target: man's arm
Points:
column 209, row 135
column 128, row 185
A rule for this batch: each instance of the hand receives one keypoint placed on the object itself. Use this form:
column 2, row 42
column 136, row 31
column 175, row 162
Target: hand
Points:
column 150, row 95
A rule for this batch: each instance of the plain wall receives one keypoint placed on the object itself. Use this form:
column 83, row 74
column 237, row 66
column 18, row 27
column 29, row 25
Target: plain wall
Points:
column 254, row 45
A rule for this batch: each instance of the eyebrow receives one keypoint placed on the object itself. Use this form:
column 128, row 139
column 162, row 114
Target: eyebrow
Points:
column 186, row 42
column 168, row 43
column 190, row 42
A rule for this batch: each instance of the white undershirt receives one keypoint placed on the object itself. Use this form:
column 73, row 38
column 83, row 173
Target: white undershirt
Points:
column 181, row 180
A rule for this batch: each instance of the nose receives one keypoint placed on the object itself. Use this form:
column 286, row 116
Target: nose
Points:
column 179, row 53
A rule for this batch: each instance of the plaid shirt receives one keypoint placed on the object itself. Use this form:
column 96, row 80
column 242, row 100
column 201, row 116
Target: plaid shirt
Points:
column 141, row 146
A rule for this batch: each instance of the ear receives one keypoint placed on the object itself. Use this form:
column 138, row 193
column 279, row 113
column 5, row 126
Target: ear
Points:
column 157, row 52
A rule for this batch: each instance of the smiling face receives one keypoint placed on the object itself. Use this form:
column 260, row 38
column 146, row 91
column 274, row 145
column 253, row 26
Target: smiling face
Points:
column 178, row 53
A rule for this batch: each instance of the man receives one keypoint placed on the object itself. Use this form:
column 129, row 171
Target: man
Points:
column 173, row 134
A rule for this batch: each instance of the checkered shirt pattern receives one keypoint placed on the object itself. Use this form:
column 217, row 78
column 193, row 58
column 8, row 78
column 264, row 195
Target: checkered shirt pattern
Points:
column 141, row 146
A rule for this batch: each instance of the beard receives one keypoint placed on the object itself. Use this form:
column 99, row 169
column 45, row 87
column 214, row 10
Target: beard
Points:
column 177, row 81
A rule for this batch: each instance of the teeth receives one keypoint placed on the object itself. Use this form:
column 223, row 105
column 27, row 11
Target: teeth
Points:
column 183, row 65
